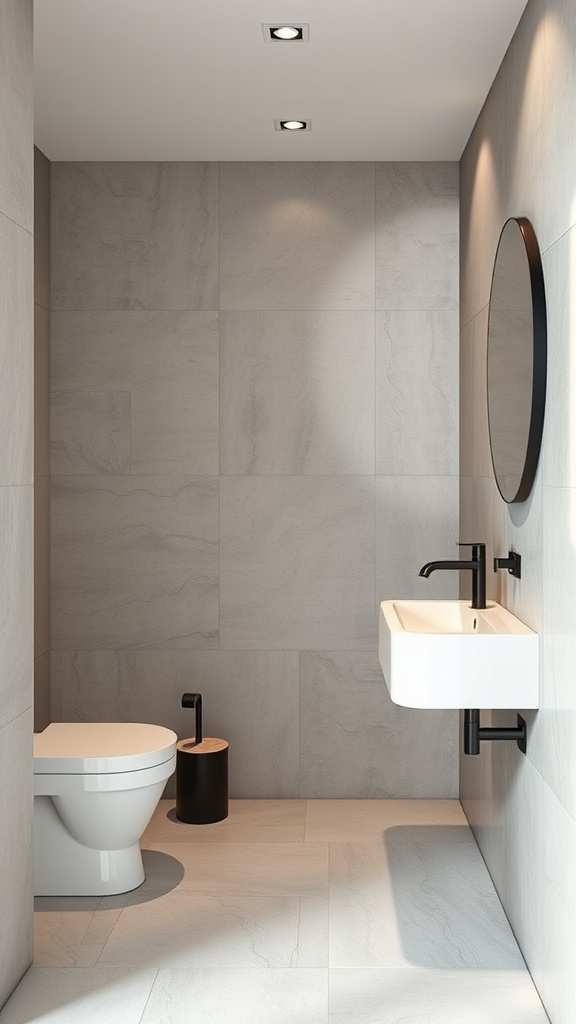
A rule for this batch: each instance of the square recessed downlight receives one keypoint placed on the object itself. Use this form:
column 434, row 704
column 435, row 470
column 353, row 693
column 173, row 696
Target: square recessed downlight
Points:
column 292, row 124
column 286, row 32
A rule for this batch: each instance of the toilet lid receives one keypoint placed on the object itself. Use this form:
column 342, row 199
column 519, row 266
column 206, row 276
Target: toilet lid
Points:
column 101, row 748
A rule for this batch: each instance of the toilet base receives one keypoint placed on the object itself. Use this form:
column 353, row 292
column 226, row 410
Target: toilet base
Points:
column 64, row 867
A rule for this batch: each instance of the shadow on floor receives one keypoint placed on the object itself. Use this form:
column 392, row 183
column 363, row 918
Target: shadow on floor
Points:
column 447, row 914
column 163, row 873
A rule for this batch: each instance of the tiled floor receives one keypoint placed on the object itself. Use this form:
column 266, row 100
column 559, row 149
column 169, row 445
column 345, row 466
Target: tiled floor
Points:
column 289, row 912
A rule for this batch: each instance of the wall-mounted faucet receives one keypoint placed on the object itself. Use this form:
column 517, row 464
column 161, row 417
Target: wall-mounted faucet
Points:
column 477, row 564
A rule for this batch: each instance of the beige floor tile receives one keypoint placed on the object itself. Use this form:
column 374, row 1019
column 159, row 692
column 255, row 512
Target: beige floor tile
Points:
column 341, row 821
column 251, row 869
column 248, row 821
column 185, row 929
column 238, row 997
column 76, row 996
column 434, row 997
column 71, row 937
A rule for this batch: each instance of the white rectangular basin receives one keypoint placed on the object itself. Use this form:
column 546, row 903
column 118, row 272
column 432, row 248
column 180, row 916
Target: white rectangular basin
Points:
column 445, row 654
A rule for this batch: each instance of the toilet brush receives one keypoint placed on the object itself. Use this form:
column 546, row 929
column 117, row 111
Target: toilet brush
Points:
column 201, row 773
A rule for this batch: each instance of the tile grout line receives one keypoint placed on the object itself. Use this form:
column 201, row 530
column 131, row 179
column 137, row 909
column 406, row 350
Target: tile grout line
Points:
column 149, row 996
column 329, row 942
column 219, row 403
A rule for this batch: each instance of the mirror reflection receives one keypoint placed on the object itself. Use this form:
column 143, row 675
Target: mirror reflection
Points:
column 516, row 372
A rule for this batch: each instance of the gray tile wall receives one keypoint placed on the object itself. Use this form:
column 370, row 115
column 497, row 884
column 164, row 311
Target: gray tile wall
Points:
column 16, row 490
column 41, row 441
column 520, row 161
column 254, row 373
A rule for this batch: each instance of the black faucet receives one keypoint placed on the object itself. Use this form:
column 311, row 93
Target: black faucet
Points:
column 478, row 566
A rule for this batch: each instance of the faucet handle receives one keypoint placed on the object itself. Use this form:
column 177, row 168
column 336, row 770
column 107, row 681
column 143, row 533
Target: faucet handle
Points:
column 478, row 547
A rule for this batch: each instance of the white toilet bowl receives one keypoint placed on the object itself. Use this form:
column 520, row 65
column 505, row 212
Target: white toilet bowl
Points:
column 96, row 786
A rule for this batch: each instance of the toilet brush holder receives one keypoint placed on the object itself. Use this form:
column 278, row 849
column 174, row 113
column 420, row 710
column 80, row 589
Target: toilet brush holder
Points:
column 201, row 773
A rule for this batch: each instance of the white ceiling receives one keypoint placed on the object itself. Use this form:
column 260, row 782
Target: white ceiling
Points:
column 194, row 79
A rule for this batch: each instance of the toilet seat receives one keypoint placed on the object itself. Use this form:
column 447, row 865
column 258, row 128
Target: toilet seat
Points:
column 101, row 748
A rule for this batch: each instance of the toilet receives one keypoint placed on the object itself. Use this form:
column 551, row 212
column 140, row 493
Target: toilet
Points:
column 96, row 786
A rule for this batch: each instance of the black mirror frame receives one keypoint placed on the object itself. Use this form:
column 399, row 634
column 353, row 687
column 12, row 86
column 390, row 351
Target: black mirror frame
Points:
column 539, row 364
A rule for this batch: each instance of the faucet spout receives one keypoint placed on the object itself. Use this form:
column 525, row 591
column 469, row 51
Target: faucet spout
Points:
column 477, row 565
column 431, row 567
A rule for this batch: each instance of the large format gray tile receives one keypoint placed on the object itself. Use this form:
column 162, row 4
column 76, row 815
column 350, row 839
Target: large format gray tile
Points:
column 238, row 997
column 134, row 562
column 42, row 692
column 538, row 839
column 475, row 458
column 297, row 562
column 16, row 851
column 85, row 686
column 559, row 444
column 297, row 393
column 134, row 235
column 178, row 930
column 353, row 739
column 416, row 522
column 555, row 33
column 16, row 602
column 16, row 114
column 417, row 392
column 422, row 899
column 250, row 698
column 417, row 236
column 41, row 229
column 524, row 532
column 527, row 838
column 41, row 564
column 552, row 747
column 433, row 997
column 90, row 432
column 526, row 119
column 482, row 198
column 41, row 391
column 297, row 235
column 486, row 522
column 167, row 361
column 466, row 393
column 111, row 995
column 16, row 354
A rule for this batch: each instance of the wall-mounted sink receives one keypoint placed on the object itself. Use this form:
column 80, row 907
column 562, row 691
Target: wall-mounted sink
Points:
column 445, row 654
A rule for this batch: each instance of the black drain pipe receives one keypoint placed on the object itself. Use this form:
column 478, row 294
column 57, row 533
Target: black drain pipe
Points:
column 474, row 733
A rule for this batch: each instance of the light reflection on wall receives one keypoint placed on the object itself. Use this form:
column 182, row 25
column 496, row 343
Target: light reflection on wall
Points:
column 295, row 216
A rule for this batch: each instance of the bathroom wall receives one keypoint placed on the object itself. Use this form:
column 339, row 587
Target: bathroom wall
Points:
column 521, row 160
column 254, row 441
column 16, row 490
column 41, row 441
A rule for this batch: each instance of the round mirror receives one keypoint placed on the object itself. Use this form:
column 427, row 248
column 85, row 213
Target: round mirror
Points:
column 516, row 372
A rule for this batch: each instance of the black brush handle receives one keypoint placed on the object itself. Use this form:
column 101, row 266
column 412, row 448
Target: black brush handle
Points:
column 194, row 700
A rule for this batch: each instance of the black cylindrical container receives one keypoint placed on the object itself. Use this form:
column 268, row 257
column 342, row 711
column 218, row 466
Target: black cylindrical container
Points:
column 202, row 781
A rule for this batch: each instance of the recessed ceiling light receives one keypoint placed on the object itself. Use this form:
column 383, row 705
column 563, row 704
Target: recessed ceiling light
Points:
column 285, row 33
column 292, row 125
